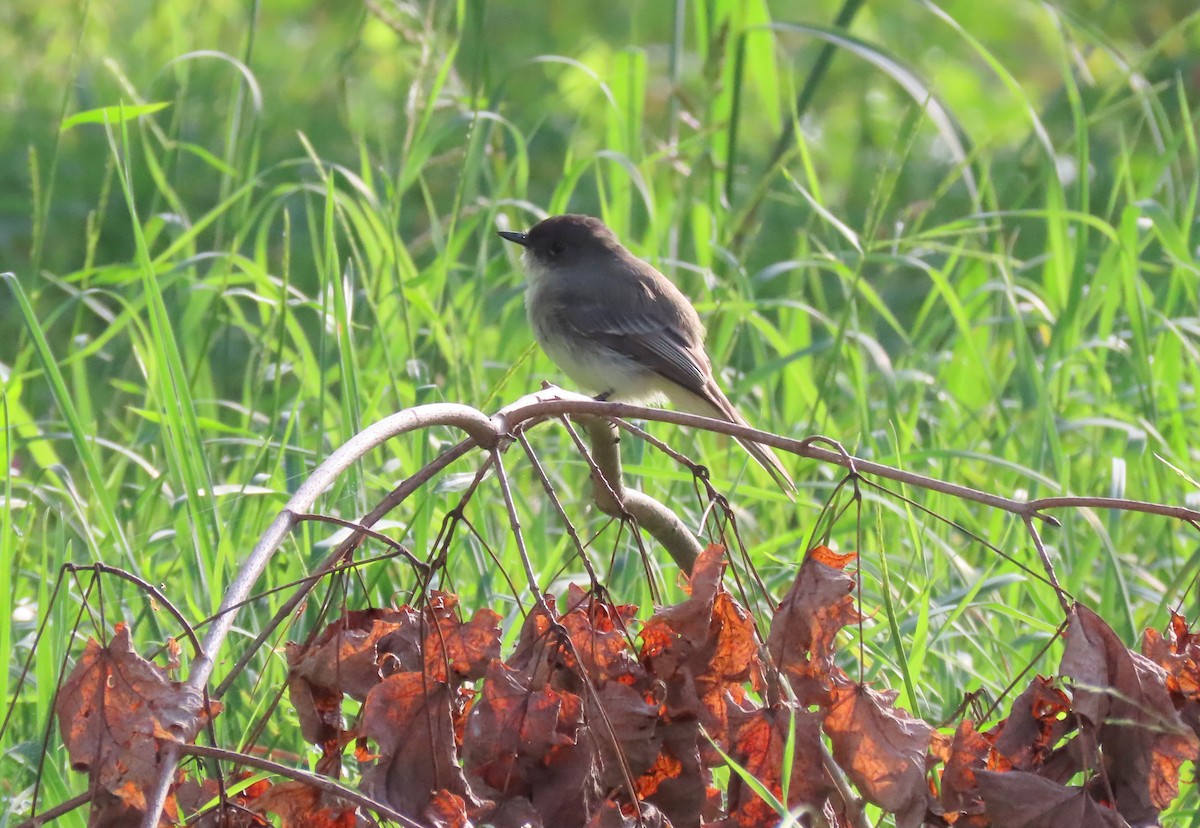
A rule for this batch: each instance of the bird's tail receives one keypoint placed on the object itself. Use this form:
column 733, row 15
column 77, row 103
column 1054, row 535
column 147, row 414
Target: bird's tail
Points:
column 715, row 404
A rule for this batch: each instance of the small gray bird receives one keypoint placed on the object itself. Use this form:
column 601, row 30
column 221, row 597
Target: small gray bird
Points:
column 620, row 328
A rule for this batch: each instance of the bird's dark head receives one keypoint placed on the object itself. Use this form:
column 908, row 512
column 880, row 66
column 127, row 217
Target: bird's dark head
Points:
column 562, row 241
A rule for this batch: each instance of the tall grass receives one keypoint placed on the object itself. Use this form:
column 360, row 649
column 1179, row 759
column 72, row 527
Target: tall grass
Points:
column 966, row 248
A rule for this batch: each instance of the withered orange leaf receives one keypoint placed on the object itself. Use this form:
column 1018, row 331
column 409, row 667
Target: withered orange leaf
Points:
column 735, row 659
column 298, row 805
column 353, row 653
column 674, row 634
column 114, row 711
column 805, row 626
column 588, row 639
column 665, row 768
column 625, row 728
column 758, row 737
column 447, row 810
column 1036, row 722
column 539, row 655
column 882, row 749
column 1018, row 799
column 454, row 649
column 678, row 783
column 1124, row 695
column 969, row 751
column 834, row 560
column 532, row 743
column 408, row 715
column 512, row 729
column 1178, row 653
column 597, row 630
column 703, row 649
column 342, row 659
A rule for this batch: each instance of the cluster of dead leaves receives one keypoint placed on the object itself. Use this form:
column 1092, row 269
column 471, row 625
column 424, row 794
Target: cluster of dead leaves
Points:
column 586, row 725
column 116, row 711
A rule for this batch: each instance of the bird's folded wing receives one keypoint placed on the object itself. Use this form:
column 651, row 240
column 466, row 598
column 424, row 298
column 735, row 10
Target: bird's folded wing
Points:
column 642, row 337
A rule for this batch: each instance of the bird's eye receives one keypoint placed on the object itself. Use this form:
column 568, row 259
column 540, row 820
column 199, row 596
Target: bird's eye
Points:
column 554, row 250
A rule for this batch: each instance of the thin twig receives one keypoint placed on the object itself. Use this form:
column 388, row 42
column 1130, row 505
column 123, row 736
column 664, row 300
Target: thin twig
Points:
column 440, row 549
column 514, row 525
column 1063, row 599
column 360, row 529
column 548, row 487
column 51, row 814
column 958, row 527
column 321, row 783
column 697, row 469
column 1120, row 504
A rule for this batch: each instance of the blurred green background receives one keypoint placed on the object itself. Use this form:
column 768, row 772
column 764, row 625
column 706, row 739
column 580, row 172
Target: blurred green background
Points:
column 958, row 238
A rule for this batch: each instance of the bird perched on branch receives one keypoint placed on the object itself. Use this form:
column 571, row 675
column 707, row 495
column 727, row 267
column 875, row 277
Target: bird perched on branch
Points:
column 620, row 328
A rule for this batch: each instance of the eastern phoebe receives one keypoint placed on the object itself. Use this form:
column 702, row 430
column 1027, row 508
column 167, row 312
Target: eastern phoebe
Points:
column 620, row 328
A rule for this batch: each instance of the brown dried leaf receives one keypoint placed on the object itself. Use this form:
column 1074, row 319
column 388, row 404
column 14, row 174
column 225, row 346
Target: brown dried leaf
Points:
column 1124, row 695
column 882, row 749
column 703, row 649
column 539, row 655
column 1036, row 723
column 342, row 659
column 1091, row 650
column 319, row 710
column 597, row 630
column 533, row 743
column 1178, row 653
column 678, row 783
column 969, row 751
column 447, row 810
column 108, row 811
column 512, row 729
column 454, row 650
column 409, row 717
column 116, row 709
column 353, row 653
column 805, row 626
column 595, row 645
column 633, row 722
column 1017, row 799
column 513, row 812
column 567, row 790
column 757, row 740
column 302, row 806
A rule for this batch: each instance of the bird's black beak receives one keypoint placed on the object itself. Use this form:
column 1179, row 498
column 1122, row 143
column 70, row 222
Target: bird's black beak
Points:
column 514, row 237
